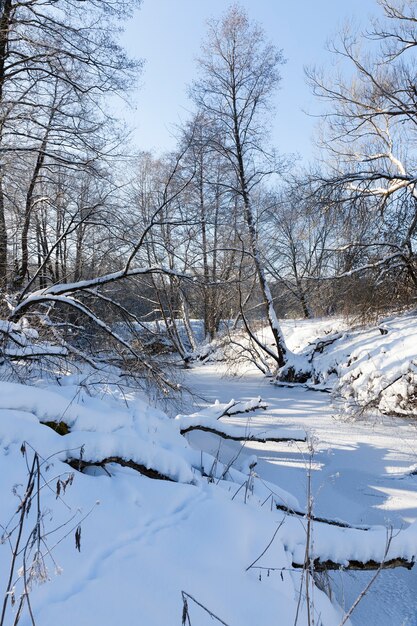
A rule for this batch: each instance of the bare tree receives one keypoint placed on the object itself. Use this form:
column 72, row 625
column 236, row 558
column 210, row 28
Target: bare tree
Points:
column 58, row 59
column 370, row 134
column 299, row 228
column 238, row 75
column 213, row 216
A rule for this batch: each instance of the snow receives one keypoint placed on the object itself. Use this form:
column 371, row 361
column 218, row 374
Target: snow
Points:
column 147, row 537
column 373, row 367
column 209, row 419
column 360, row 474
column 206, row 530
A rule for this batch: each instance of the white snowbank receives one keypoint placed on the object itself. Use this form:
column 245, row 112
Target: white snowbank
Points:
column 149, row 540
column 372, row 367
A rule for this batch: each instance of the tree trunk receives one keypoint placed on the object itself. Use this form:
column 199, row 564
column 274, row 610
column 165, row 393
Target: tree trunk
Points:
column 5, row 19
column 24, row 262
column 3, row 240
column 186, row 319
column 265, row 290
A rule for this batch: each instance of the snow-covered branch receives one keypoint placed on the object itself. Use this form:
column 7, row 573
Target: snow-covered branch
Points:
column 65, row 289
column 208, row 420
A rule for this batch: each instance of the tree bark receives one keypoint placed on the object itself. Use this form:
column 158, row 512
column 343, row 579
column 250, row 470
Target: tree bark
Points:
column 316, row 565
column 265, row 290
column 5, row 20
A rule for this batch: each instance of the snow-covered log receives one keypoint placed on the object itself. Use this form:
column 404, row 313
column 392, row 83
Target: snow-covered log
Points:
column 80, row 465
column 315, row 518
column 220, row 409
column 208, row 420
column 331, row 546
column 317, row 565
column 240, row 433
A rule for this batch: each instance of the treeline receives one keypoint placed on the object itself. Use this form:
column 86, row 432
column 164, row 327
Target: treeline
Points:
column 224, row 227
column 59, row 62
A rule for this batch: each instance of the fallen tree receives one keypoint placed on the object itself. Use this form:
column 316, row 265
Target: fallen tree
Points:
column 315, row 518
column 208, row 420
column 317, row 565
column 81, row 464
column 236, row 433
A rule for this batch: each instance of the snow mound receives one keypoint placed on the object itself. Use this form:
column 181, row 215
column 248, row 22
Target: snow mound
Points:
column 373, row 368
column 173, row 521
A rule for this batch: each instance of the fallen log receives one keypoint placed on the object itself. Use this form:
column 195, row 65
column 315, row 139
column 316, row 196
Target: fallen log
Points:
column 315, row 518
column 308, row 386
column 319, row 346
column 228, row 434
column 317, row 565
column 81, row 464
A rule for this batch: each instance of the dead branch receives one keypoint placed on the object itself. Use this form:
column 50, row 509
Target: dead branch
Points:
column 319, row 346
column 237, row 407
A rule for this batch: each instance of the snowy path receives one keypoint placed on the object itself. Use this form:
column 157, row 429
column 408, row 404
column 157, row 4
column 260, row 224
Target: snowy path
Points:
column 358, row 475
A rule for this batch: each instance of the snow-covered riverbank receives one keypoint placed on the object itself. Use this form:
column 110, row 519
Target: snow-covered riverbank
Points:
column 360, row 474
column 177, row 522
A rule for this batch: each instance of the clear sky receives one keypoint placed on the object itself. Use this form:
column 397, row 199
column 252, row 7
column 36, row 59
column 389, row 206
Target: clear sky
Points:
column 167, row 34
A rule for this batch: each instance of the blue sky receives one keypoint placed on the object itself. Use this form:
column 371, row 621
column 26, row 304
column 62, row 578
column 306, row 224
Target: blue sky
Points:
column 167, row 34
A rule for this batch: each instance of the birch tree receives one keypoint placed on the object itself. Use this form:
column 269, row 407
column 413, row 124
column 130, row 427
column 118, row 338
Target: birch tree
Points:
column 239, row 73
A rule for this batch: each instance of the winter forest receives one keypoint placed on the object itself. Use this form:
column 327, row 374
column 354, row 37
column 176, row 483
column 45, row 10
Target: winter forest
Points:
column 208, row 355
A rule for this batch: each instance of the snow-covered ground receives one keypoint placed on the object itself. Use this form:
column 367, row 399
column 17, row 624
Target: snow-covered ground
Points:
column 210, row 530
column 143, row 540
column 371, row 367
column 360, row 474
